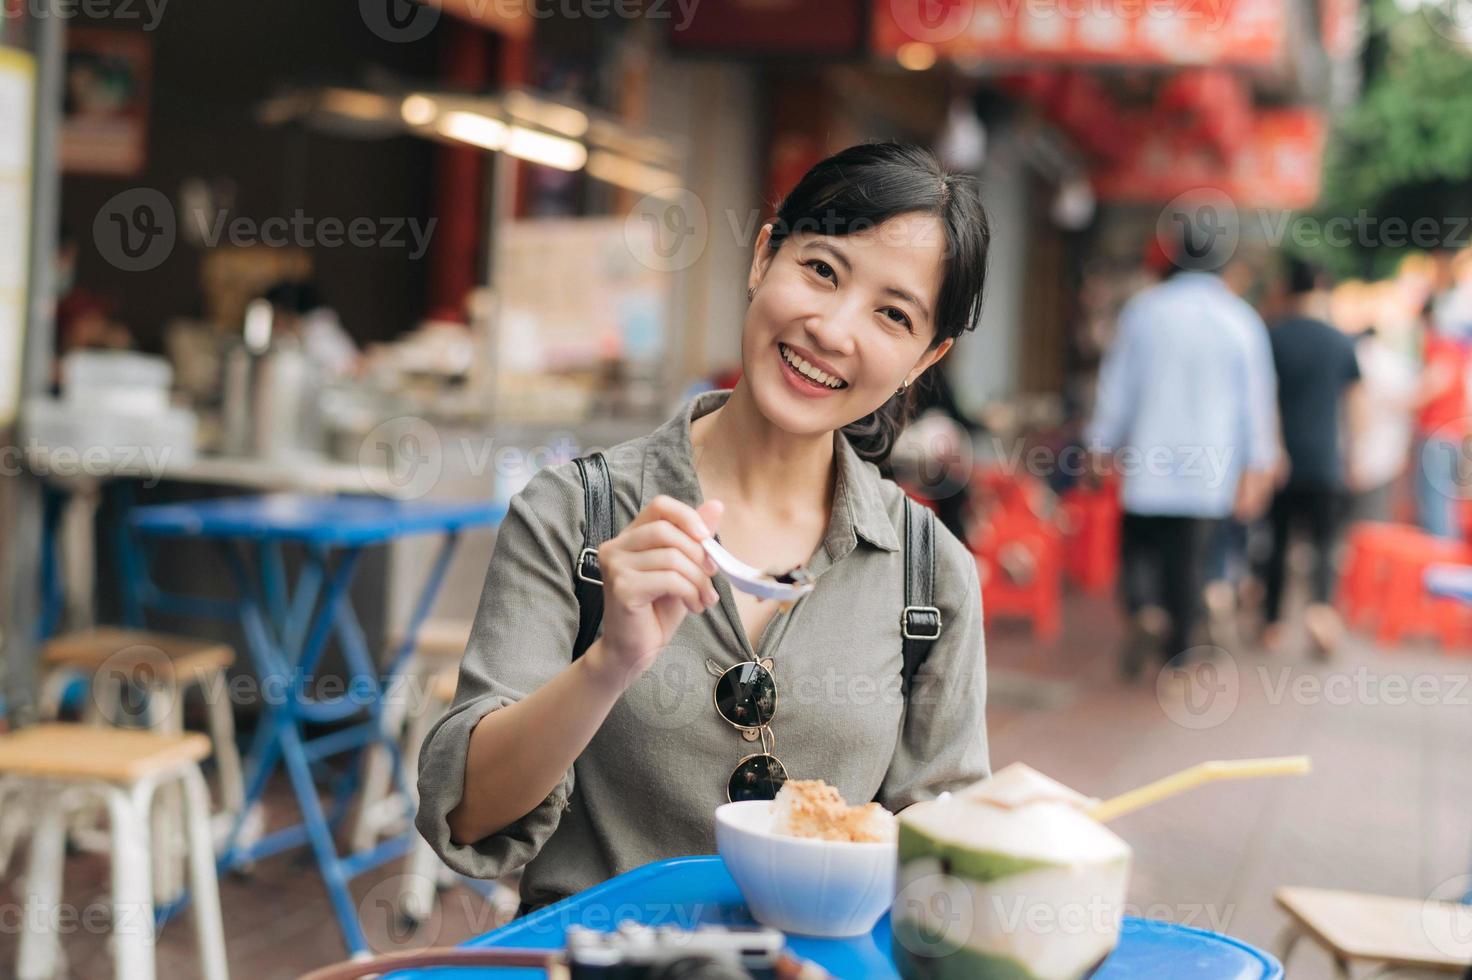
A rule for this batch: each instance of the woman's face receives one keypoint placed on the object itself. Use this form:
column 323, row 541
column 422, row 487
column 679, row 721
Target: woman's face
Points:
column 838, row 322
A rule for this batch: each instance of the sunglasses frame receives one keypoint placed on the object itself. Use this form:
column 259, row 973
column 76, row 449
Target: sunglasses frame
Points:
column 749, row 732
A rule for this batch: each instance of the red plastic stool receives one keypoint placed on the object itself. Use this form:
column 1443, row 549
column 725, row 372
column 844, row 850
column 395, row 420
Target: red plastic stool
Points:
column 1091, row 558
column 1021, row 574
column 1361, row 579
column 1406, row 606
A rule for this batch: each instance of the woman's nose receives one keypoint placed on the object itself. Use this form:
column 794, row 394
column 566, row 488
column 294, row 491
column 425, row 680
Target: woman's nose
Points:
column 830, row 335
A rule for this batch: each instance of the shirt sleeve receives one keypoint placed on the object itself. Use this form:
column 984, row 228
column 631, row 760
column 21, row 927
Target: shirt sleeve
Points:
column 524, row 631
column 1114, row 399
column 1260, row 402
column 943, row 744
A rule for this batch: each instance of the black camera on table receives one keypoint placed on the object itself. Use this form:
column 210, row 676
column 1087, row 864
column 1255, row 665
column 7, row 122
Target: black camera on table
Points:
column 638, row 952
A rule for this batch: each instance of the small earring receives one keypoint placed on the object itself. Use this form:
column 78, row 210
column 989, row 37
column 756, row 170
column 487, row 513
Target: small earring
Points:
column 901, row 389
column 750, row 292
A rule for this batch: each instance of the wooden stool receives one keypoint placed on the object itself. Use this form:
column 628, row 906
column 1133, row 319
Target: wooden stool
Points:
column 1395, row 933
column 61, row 766
column 161, row 669
column 164, row 667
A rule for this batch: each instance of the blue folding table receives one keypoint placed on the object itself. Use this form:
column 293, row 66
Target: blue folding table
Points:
column 693, row 891
column 287, row 627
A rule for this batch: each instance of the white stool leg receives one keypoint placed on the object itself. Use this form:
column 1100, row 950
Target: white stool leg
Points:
column 416, row 897
column 208, row 924
column 425, row 869
column 378, row 767
column 165, row 714
column 222, row 735
column 132, row 891
column 39, row 947
column 14, row 818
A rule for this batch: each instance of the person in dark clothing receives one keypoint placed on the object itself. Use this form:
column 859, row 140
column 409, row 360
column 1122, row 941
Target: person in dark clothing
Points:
column 1317, row 371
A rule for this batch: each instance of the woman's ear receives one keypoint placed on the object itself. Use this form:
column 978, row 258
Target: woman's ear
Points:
column 761, row 257
column 931, row 357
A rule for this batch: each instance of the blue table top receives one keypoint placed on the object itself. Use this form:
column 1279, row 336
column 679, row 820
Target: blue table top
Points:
column 344, row 520
column 1450, row 581
column 698, row 891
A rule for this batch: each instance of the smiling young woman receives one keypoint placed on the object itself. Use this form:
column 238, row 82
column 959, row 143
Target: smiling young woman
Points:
column 583, row 768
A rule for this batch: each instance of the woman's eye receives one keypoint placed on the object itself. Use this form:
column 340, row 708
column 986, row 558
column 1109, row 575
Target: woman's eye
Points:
column 821, row 268
column 897, row 316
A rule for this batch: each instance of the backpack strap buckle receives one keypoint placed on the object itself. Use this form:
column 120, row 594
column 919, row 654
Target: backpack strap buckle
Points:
column 920, row 623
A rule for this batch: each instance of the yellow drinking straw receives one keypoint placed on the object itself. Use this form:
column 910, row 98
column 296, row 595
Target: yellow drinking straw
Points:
column 1198, row 775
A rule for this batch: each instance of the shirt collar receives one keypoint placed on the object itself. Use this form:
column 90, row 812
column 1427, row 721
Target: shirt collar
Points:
column 858, row 499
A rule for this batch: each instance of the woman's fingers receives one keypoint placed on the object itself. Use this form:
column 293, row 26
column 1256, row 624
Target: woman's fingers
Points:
column 682, row 515
column 667, row 559
column 640, row 588
column 664, row 534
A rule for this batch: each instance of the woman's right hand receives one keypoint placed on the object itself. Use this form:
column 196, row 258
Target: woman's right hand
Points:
column 654, row 572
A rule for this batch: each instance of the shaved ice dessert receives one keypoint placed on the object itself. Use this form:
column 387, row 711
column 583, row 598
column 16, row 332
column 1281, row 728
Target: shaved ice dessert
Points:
column 1008, row 879
column 812, row 808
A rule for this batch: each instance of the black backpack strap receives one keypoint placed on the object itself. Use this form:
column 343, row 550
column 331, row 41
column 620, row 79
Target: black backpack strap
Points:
column 920, row 623
column 587, row 579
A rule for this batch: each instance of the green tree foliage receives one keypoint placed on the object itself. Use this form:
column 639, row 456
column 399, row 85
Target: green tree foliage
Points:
column 1404, row 150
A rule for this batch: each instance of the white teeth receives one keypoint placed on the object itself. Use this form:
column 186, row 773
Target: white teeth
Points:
column 807, row 370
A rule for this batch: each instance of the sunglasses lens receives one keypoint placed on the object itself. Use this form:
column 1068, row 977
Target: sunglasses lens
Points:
column 758, row 777
column 746, row 695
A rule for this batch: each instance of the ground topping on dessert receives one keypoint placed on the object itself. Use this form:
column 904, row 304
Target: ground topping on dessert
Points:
column 811, row 808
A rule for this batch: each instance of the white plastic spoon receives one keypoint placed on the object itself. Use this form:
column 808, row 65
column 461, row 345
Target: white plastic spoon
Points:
column 752, row 581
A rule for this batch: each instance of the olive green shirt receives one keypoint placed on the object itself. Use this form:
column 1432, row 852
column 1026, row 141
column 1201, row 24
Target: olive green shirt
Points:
column 647, row 785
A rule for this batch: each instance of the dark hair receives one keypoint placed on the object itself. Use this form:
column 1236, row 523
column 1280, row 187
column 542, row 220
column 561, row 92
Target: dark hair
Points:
column 860, row 188
column 1304, row 277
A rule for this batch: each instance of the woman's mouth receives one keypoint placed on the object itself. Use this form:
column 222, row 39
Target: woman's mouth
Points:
column 806, row 377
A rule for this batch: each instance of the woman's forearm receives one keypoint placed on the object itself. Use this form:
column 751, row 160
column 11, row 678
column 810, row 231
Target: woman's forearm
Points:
column 518, row 754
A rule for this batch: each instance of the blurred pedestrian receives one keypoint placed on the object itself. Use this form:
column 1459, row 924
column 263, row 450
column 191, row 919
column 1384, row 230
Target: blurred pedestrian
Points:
column 1186, row 410
column 1317, row 370
column 1441, row 425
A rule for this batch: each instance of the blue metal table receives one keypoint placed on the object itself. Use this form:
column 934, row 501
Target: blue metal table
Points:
column 287, row 627
column 1450, row 582
column 693, row 891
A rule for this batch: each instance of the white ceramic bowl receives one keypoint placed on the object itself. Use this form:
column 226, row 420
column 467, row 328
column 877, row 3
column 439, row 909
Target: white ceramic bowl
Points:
column 804, row 886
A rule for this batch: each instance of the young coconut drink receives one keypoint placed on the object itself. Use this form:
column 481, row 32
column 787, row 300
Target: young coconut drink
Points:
column 1008, row 879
